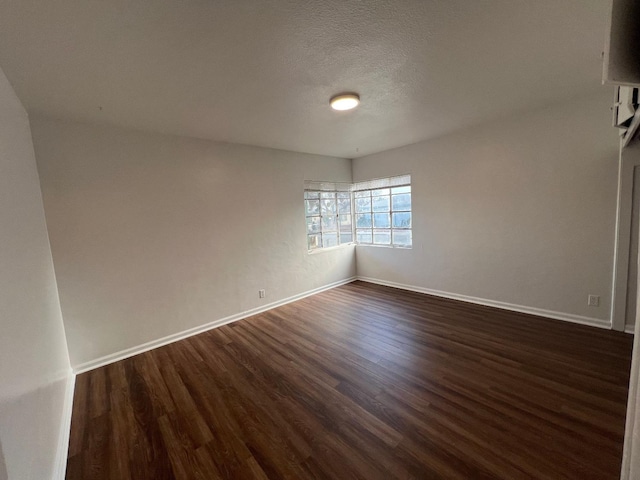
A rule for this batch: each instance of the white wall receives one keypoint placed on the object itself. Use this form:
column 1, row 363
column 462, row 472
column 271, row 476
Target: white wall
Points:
column 153, row 234
column 34, row 364
column 520, row 210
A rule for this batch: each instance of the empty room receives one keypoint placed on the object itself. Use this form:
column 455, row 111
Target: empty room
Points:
column 286, row 239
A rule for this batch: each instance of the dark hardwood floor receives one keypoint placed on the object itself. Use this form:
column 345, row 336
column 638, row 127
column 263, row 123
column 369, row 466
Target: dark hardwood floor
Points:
column 361, row 381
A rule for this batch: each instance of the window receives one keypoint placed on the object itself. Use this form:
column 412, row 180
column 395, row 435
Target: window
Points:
column 383, row 216
column 329, row 221
column 377, row 212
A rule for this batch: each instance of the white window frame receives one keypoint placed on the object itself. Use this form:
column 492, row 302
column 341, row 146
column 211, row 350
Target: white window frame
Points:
column 383, row 230
column 315, row 188
column 324, row 188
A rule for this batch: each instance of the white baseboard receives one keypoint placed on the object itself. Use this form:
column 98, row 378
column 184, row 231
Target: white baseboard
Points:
column 60, row 467
column 130, row 352
column 568, row 317
column 629, row 329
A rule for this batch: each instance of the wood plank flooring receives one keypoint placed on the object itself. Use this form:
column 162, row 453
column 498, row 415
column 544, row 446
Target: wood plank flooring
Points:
column 364, row 382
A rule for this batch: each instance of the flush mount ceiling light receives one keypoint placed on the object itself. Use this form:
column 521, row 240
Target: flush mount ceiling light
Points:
column 345, row 101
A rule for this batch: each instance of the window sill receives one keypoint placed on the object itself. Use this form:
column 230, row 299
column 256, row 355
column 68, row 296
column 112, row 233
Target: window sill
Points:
column 353, row 244
column 330, row 249
column 393, row 247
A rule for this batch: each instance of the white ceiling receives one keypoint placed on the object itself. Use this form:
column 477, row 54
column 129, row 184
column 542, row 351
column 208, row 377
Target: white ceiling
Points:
column 261, row 72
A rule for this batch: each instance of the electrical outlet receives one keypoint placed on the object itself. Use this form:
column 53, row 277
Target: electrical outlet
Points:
column 261, row 293
column 593, row 301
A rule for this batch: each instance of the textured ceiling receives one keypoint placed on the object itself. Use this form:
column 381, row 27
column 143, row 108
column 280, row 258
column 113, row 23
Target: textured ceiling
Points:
column 261, row 72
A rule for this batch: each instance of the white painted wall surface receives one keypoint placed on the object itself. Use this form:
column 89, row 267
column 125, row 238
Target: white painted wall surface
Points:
column 520, row 210
column 153, row 234
column 34, row 364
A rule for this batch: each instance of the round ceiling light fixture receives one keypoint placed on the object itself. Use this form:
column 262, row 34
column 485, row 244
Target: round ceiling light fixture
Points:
column 345, row 101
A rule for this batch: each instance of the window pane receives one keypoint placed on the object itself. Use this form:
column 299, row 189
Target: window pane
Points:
column 381, row 204
column 314, row 241
column 402, row 238
column 382, row 217
column 363, row 204
column 345, row 222
column 313, row 224
column 401, row 202
column 382, row 237
column 346, row 237
column 328, row 206
column 344, row 205
column 329, row 223
column 364, row 236
column 381, row 220
column 363, row 220
column 405, row 189
column 329, row 239
column 313, row 207
column 402, row 220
